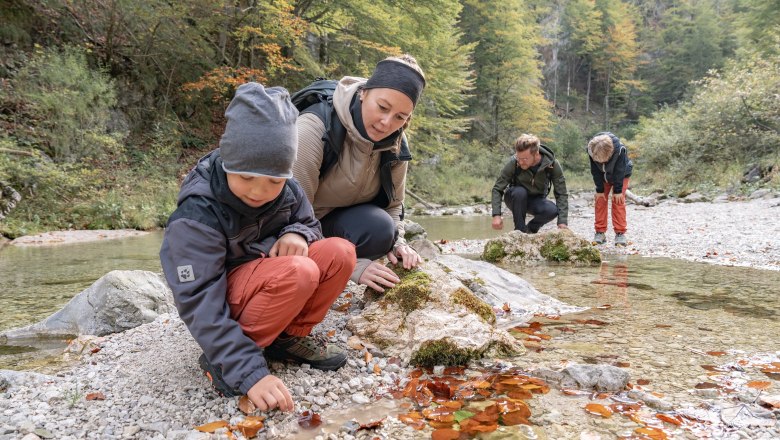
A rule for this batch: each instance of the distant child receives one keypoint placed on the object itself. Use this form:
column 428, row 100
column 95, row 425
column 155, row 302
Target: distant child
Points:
column 611, row 168
column 244, row 255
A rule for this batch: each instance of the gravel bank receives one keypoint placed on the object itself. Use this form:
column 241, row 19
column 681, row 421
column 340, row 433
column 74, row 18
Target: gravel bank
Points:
column 742, row 233
column 152, row 388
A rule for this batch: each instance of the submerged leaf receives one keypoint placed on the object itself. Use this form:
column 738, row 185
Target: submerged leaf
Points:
column 445, row 434
column 309, row 420
column 598, row 409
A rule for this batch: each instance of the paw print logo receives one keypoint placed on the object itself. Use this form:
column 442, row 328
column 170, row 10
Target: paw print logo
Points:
column 185, row 273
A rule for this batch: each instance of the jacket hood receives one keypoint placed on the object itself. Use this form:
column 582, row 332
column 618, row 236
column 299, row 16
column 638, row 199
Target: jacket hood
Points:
column 197, row 181
column 548, row 157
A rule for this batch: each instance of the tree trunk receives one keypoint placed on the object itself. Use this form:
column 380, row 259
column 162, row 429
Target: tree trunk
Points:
column 606, row 99
column 587, row 94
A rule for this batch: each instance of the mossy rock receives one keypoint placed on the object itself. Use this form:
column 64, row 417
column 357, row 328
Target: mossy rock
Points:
column 554, row 249
column 587, row 255
column 494, row 252
column 411, row 293
column 470, row 301
column 442, row 352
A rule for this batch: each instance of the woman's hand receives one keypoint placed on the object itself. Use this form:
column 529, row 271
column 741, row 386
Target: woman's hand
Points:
column 290, row 244
column 378, row 277
column 600, row 196
column 619, row 199
column 269, row 393
column 409, row 257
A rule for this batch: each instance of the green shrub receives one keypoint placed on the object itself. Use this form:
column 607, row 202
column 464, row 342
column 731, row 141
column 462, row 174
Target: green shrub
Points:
column 66, row 106
column 732, row 119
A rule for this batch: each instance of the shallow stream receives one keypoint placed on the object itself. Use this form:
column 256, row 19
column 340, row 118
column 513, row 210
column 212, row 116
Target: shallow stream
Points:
column 665, row 321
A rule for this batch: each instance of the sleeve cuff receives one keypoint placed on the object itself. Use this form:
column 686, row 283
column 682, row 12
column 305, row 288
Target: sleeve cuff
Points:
column 360, row 267
column 253, row 378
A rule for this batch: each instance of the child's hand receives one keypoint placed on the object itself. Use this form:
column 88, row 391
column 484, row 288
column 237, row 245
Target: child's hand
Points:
column 498, row 222
column 270, row 393
column 600, row 196
column 619, row 199
column 290, row 244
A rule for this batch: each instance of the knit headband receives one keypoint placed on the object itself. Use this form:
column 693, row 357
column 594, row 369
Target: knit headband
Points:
column 396, row 75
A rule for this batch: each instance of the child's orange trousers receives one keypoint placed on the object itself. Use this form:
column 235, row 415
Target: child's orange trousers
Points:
column 292, row 294
column 618, row 211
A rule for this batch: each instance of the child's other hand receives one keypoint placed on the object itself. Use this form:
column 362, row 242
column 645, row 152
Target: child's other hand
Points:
column 290, row 244
column 498, row 222
column 600, row 196
column 270, row 393
column 619, row 199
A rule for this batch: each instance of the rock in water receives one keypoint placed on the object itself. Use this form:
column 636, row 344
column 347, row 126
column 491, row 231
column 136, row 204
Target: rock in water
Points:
column 120, row 300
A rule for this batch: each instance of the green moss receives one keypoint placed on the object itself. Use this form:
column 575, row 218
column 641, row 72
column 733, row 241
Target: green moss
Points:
column 442, row 352
column 411, row 293
column 588, row 255
column 447, row 269
column 554, row 249
column 518, row 254
column 473, row 303
column 494, row 252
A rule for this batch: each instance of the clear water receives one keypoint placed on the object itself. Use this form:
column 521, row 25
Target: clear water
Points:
column 37, row 281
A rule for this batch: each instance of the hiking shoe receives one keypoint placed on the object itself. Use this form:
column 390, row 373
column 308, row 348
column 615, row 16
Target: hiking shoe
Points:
column 307, row 350
column 620, row 240
column 214, row 375
column 600, row 238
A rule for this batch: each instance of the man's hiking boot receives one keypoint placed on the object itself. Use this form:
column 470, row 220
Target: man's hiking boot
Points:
column 214, row 375
column 307, row 350
column 620, row 239
column 600, row 238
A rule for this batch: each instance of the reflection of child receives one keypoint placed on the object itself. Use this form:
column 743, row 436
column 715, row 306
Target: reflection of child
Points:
column 245, row 258
column 611, row 169
column 618, row 278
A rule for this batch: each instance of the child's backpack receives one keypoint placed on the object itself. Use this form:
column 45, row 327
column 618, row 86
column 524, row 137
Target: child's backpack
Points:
column 317, row 98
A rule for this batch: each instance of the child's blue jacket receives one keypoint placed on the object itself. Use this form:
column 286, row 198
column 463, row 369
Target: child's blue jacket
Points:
column 211, row 232
column 618, row 167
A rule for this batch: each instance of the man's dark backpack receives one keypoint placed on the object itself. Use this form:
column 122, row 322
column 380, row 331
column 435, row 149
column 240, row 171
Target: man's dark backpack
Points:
column 317, row 98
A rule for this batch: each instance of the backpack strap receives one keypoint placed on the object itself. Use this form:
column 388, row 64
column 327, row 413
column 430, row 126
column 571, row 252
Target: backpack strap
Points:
column 335, row 132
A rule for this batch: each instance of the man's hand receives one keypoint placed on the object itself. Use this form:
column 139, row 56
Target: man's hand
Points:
column 290, row 244
column 563, row 226
column 269, row 393
column 600, row 196
column 619, row 199
column 498, row 222
column 409, row 257
column 377, row 277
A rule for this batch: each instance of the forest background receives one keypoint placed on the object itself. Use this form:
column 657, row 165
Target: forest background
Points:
column 106, row 104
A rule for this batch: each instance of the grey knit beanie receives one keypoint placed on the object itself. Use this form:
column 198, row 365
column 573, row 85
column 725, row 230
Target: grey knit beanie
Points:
column 260, row 137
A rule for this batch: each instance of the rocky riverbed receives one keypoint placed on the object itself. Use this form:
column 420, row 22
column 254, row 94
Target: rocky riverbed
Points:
column 145, row 383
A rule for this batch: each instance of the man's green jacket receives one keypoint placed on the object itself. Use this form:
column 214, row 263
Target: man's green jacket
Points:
column 548, row 172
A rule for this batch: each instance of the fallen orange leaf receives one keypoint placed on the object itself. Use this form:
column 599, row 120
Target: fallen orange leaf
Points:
column 377, row 369
column 96, row 396
column 331, row 333
column 598, row 409
column 445, row 434
column 653, row 433
column 245, row 405
column 250, row 426
column 369, row 356
column 213, row 426
column 514, row 418
column 674, row 420
column 716, row 353
column 759, row 384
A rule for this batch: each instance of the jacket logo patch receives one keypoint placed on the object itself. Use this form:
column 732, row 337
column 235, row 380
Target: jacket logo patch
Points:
column 185, row 273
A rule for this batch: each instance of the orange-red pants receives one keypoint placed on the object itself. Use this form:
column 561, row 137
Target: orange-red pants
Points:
column 619, row 224
column 290, row 294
